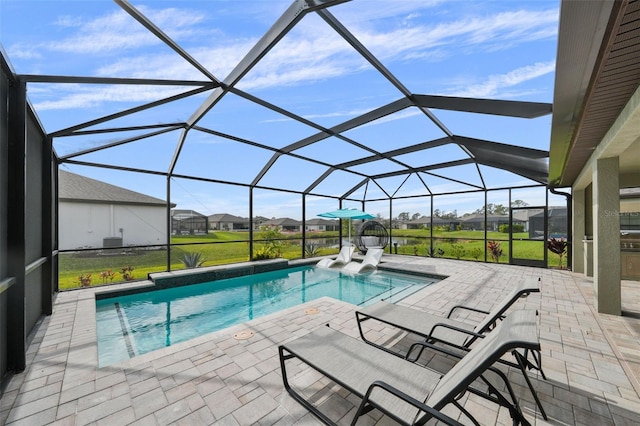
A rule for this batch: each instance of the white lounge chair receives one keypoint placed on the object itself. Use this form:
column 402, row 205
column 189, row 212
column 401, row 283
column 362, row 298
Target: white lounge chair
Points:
column 370, row 262
column 344, row 257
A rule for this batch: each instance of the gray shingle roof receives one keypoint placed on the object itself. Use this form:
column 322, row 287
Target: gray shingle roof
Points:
column 490, row 218
column 283, row 221
column 73, row 187
column 185, row 214
column 226, row 217
column 426, row 220
column 319, row 221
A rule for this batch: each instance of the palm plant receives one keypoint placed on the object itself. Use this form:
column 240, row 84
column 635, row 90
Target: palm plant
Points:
column 311, row 250
column 192, row 259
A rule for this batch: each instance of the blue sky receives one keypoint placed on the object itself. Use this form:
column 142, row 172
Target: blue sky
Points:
column 486, row 49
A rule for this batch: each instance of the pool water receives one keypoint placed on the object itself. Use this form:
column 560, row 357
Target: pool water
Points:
column 135, row 324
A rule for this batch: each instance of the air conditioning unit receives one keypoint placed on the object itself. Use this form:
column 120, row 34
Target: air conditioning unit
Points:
column 111, row 242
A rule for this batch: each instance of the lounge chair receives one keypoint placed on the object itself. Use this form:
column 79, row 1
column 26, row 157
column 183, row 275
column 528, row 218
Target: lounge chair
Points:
column 370, row 262
column 408, row 392
column 451, row 332
column 343, row 258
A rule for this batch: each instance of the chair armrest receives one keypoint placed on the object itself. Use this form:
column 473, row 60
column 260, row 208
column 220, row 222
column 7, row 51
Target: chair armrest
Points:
column 403, row 396
column 429, row 342
column 467, row 308
column 454, row 328
column 427, row 345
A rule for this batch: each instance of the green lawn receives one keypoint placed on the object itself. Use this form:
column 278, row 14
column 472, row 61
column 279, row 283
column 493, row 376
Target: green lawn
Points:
column 233, row 247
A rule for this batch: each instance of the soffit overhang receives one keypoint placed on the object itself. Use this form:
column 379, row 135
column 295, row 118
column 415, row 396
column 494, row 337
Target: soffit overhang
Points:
column 597, row 72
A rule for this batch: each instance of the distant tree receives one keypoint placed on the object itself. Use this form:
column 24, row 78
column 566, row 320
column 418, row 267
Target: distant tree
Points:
column 403, row 216
column 519, row 203
column 492, row 209
column 449, row 215
column 500, row 209
column 437, row 213
column 481, row 209
column 416, row 216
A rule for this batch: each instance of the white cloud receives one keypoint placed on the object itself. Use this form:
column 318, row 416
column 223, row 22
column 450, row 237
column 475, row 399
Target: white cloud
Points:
column 497, row 84
column 314, row 54
column 67, row 21
column 479, row 33
column 77, row 96
column 24, row 51
column 118, row 31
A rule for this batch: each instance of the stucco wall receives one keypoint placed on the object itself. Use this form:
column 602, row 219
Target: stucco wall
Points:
column 87, row 224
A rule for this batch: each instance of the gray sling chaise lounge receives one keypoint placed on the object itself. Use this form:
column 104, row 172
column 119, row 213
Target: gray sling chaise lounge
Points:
column 407, row 392
column 461, row 335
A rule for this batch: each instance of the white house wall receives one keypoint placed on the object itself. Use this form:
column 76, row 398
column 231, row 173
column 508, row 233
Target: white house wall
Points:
column 87, row 224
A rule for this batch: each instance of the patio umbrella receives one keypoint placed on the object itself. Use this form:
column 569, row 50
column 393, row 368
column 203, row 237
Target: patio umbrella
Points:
column 347, row 214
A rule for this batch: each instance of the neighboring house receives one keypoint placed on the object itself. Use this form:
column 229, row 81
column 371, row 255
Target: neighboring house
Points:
column 185, row 222
column 285, row 224
column 318, row 224
column 557, row 219
column 228, row 222
column 425, row 222
column 95, row 214
column 522, row 216
column 475, row 222
column 258, row 221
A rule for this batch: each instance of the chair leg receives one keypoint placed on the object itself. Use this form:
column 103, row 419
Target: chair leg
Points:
column 537, row 364
column 522, row 362
column 465, row 412
column 284, row 357
column 514, row 408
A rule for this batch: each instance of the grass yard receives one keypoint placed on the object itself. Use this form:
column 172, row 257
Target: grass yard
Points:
column 98, row 268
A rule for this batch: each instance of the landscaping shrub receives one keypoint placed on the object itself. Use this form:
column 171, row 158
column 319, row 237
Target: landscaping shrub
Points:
column 476, row 252
column 458, row 251
column 127, row 273
column 517, row 227
column 495, row 250
column 311, row 250
column 84, row 280
column 559, row 247
column 192, row 260
column 107, row 275
column 272, row 246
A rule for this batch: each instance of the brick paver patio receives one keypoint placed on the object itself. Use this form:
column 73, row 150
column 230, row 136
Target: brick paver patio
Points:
column 592, row 361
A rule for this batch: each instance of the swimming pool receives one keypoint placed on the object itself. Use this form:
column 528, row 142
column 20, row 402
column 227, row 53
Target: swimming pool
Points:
column 135, row 324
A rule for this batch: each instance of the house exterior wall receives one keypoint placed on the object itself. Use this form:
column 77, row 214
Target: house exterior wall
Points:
column 84, row 224
column 228, row 226
column 322, row 228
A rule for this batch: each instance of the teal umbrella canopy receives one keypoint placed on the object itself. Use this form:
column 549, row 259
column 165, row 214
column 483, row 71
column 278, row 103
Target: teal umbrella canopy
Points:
column 347, row 214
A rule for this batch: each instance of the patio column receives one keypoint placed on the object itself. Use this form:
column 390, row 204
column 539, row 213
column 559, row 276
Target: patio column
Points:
column 606, row 236
column 579, row 230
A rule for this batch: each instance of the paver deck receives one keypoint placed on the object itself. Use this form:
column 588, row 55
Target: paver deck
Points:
column 592, row 361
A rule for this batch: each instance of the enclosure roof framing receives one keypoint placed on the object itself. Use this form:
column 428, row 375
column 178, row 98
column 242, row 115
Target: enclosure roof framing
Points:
column 426, row 148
